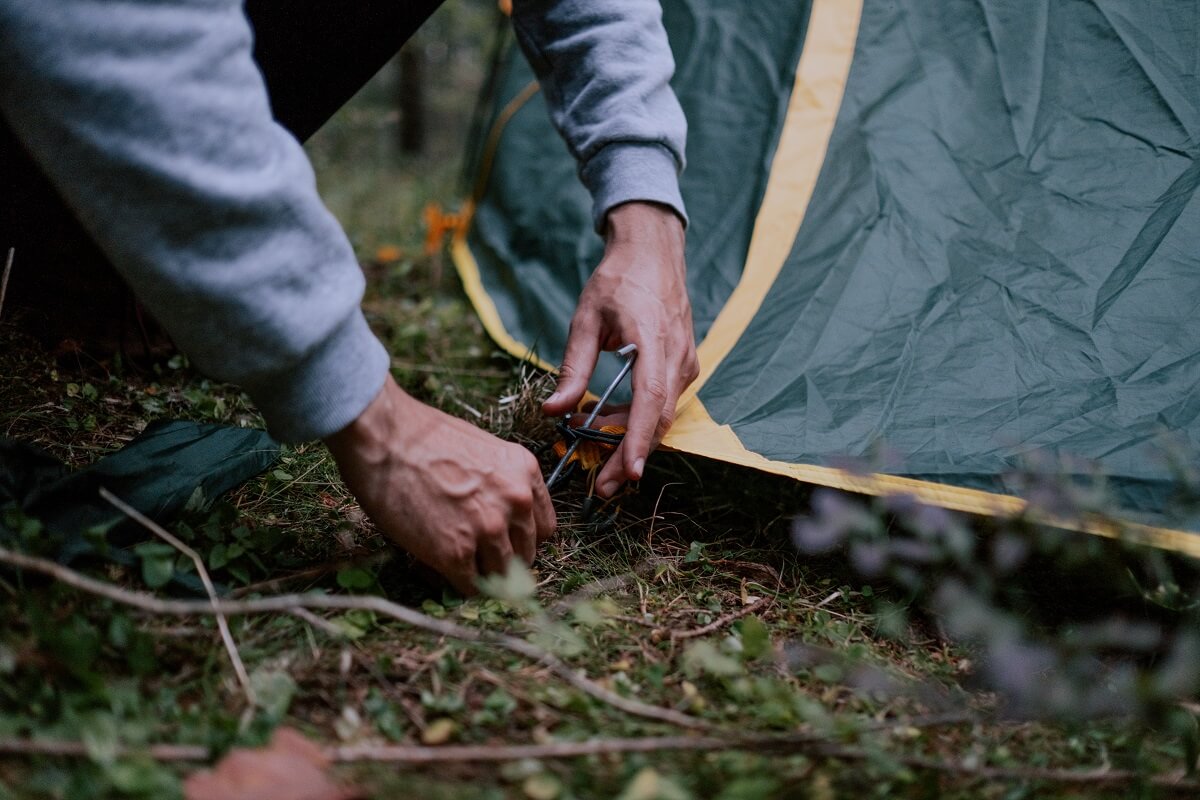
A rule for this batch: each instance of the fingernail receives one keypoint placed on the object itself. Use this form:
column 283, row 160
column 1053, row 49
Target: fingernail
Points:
column 609, row 489
column 553, row 398
column 638, row 466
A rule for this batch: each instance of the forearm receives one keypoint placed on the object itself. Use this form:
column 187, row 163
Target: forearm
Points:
column 155, row 126
column 605, row 68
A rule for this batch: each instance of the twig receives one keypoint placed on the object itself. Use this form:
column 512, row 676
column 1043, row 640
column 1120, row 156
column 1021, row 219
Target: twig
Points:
column 53, row 747
column 603, row 586
column 720, row 622
column 471, row 409
column 379, row 605
column 828, row 600
column 320, row 623
column 807, row 743
column 374, row 559
column 12, row 251
column 239, row 668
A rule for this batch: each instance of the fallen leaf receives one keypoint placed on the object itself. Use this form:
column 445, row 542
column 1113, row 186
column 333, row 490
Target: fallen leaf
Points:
column 289, row 768
column 438, row 732
column 542, row 786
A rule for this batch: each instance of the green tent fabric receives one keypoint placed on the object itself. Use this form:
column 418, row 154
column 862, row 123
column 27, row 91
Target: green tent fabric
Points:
column 157, row 473
column 961, row 231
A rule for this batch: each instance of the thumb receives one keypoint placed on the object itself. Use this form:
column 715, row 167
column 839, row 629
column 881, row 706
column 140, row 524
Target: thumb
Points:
column 583, row 348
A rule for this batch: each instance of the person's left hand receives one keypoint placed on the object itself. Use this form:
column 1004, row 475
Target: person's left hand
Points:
column 638, row 294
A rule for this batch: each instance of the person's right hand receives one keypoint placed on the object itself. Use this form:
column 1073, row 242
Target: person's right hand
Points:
column 456, row 497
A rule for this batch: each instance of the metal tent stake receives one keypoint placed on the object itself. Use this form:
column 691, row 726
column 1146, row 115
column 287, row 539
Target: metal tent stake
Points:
column 629, row 353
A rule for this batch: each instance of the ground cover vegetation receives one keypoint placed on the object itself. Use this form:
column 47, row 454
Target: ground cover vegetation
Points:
column 714, row 634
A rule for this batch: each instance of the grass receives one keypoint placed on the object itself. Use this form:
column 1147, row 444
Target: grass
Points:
column 705, row 605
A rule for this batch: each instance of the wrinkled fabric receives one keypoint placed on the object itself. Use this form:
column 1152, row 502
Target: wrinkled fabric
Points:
column 157, row 473
column 1000, row 262
column 532, row 234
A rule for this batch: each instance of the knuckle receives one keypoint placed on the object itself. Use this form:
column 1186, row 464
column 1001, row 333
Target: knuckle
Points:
column 493, row 526
column 656, row 389
column 462, row 552
column 666, row 421
column 521, row 499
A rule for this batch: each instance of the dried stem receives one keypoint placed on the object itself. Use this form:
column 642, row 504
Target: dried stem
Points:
column 12, row 251
column 721, row 622
column 239, row 668
column 379, row 605
column 810, row 744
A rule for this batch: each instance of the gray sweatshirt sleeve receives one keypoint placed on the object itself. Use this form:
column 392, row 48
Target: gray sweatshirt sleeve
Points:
column 605, row 67
column 153, row 122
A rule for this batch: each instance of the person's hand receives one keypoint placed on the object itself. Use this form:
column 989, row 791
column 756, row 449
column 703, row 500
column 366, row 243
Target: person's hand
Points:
column 637, row 294
column 456, row 497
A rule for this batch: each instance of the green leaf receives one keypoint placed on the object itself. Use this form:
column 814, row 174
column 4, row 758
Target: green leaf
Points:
column 756, row 639
column 648, row 784
column 355, row 578
column 98, row 731
column 218, row 556
column 703, row 657
column 142, row 777
column 515, row 587
column 197, row 501
column 559, row 638
column 542, row 786
column 273, row 691
column 282, row 475
column 158, row 562
column 828, row 673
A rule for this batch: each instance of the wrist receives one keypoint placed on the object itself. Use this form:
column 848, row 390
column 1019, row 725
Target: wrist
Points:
column 640, row 222
column 375, row 431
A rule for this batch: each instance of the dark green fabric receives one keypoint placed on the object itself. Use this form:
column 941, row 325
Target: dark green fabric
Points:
column 532, row 233
column 1001, row 258
column 157, row 473
column 1002, row 255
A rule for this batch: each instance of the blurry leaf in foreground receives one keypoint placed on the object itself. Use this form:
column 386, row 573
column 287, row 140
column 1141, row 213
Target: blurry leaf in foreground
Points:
column 514, row 587
column 648, row 784
column 706, row 658
column 273, row 691
column 290, row 768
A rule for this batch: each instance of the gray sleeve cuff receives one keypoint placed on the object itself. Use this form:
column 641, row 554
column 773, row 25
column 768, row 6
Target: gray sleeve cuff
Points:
column 328, row 389
column 625, row 171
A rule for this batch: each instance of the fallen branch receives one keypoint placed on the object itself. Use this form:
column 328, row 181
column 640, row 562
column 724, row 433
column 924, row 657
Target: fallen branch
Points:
column 239, row 668
column 379, row 605
column 720, row 622
column 809, row 744
column 52, row 747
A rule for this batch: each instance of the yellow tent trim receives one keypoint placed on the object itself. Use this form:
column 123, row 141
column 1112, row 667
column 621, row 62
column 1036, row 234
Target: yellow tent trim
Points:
column 460, row 253
column 812, row 111
column 697, row 433
column 468, row 272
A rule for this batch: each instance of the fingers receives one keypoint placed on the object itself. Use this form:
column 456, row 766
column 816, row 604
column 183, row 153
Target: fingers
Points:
column 496, row 551
column 583, row 348
column 650, row 396
column 543, row 512
column 462, row 575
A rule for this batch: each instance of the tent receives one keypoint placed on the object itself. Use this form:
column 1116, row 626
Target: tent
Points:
column 959, row 232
